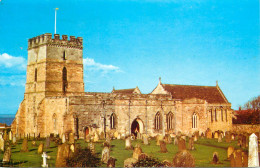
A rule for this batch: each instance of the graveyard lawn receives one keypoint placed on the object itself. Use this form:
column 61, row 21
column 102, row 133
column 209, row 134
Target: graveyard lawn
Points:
column 203, row 153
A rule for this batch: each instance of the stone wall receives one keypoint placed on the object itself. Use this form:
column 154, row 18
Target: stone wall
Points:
column 245, row 128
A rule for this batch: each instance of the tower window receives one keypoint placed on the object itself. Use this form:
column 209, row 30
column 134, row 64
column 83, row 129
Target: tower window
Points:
column 216, row 119
column 64, row 55
column 64, row 79
column 194, row 120
column 35, row 75
column 169, row 120
column 222, row 118
column 158, row 121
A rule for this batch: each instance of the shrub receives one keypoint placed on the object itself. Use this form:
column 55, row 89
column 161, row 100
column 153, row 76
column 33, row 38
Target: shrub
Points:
column 83, row 158
column 148, row 162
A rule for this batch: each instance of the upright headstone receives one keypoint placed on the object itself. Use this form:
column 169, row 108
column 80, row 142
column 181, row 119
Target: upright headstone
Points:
column 2, row 143
column 111, row 162
column 5, row 136
column 33, row 143
column 216, row 135
column 137, row 151
column 44, row 159
column 145, row 139
column 24, row 145
column 71, row 138
column 105, row 155
column 253, row 158
column 102, row 135
column 62, row 154
column 191, row 144
column 163, row 147
column 208, row 134
column 228, row 137
column 168, row 139
column 63, row 138
column 40, row 148
column 230, row 150
column 128, row 144
column 14, row 140
column 183, row 159
column 158, row 139
column 181, row 144
column 96, row 138
column 10, row 135
column 219, row 138
column 88, row 138
column 139, row 135
column 7, row 154
column 72, row 148
column 215, row 159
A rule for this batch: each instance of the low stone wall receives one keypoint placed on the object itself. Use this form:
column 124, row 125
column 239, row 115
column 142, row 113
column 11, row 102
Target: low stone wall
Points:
column 248, row 128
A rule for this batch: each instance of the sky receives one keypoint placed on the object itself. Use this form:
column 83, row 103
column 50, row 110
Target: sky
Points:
column 129, row 43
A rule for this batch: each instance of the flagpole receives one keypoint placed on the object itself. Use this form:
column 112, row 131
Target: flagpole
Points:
column 55, row 19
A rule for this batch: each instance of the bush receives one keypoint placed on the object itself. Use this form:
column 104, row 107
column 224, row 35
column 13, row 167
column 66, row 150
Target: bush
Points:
column 148, row 162
column 83, row 158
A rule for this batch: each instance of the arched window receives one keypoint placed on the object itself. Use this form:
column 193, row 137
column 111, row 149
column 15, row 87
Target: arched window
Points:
column 35, row 75
column 158, row 121
column 222, row 118
column 169, row 120
column 194, row 120
column 64, row 80
column 54, row 118
column 113, row 121
column 216, row 115
column 211, row 115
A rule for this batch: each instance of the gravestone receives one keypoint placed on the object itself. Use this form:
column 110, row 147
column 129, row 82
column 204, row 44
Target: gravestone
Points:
column 96, row 138
column 88, row 138
column 24, row 145
column 215, row 159
column 244, row 145
column 102, row 135
column 128, row 144
column 119, row 136
column 62, row 155
column 33, row 143
column 137, row 151
column 72, row 148
column 129, row 162
column 219, row 138
column 208, row 134
column 71, row 138
column 195, row 138
column 181, row 144
column 191, row 144
column 44, row 159
column 168, row 139
column 5, row 136
column 10, row 135
column 145, row 140
column 106, row 144
column 111, row 162
column 63, row 138
column 139, row 135
column 163, row 147
column 216, row 135
column 2, row 143
column 244, row 159
column 236, row 159
column 228, row 137
column 183, row 159
column 47, row 142
column 158, row 139
column 91, row 146
column 7, row 154
column 105, row 155
column 14, row 140
column 175, row 141
column 230, row 150
column 115, row 134
column 253, row 158
column 40, row 148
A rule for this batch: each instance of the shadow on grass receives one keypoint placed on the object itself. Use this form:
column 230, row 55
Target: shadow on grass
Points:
column 12, row 163
column 32, row 150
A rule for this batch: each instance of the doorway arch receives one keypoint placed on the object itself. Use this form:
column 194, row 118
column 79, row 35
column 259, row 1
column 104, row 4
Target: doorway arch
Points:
column 137, row 126
column 87, row 131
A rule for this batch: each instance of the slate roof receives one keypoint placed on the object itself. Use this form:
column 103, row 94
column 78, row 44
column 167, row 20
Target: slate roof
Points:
column 212, row 94
column 124, row 91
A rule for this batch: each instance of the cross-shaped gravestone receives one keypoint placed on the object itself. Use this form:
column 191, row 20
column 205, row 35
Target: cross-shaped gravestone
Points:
column 253, row 159
column 44, row 159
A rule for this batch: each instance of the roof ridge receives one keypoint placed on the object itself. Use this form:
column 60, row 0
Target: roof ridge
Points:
column 188, row 85
column 126, row 89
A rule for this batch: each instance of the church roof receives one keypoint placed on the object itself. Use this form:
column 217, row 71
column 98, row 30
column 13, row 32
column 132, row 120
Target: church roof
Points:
column 212, row 94
column 127, row 91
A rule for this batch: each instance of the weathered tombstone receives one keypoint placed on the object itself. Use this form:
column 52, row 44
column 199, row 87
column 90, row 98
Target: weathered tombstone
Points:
column 111, row 162
column 44, row 159
column 40, row 148
column 228, row 137
column 88, row 138
column 115, row 134
column 128, row 144
column 72, row 148
column 24, row 145
column 129, row 162
column 145, row 140
column 14, row 140
column 139, row 135
column 96, row 138
column 71, row 138
column 119, row 136
column 105, row 155
column 230, row 150
column 208, row 134
column 253, row 158
column 47, row 142
column 236, row 159
column 163, row 147
column 181, row 144
column 102, row 135
column 2, row 143
column 191, row 144
column 33, row 143
column 183, row 159
column 63, row 138
column 215, row 159
column 10, row 135
column 91, row 146
column 158, row 139
column 137, row 151
column 216, row 135
column 62, row 154
column 106, row 144
column 5, row 136
column 195, row 138
column 219, row 138
column 7, row 154
column 232, row 137
column 168, row 139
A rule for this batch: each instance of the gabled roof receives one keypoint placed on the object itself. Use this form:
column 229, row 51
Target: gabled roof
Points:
column 127, row 91
column 212, row 94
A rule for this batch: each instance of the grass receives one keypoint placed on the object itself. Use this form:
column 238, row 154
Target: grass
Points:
column 204, row 149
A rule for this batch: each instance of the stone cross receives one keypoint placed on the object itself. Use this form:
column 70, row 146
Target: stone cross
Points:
column 253, row 159
column 44, row 159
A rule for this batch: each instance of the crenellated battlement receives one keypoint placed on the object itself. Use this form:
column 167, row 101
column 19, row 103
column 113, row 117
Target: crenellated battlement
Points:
column 46, row 39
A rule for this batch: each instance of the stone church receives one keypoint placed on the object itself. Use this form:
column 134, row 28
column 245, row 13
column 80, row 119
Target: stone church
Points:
column 55, row 102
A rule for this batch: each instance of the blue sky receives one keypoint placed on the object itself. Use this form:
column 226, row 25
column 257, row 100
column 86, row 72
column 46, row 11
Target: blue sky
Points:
column 129, row 43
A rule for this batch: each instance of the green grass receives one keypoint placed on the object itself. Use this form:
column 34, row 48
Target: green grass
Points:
column 204, row 149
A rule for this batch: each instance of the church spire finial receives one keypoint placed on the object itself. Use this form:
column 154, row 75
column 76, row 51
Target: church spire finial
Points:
column 216, row 82
column 160, row 80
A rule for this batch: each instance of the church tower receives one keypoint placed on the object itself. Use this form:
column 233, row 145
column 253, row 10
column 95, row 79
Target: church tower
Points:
column 54, row 69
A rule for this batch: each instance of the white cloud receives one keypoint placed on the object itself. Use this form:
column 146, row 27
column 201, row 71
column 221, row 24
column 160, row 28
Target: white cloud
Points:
column 13, row 80
column 91, row 64
column 10, row 61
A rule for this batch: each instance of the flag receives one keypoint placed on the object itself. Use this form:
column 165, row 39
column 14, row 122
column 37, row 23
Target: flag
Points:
column 56, row 8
